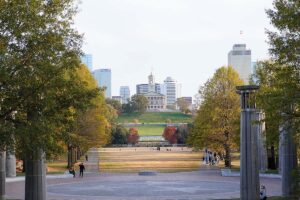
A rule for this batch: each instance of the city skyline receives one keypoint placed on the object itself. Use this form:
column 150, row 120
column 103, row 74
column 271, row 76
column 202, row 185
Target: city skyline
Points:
column 181, row 39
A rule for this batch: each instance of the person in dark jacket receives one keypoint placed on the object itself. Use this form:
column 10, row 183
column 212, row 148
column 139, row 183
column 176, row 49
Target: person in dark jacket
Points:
column 81, row 169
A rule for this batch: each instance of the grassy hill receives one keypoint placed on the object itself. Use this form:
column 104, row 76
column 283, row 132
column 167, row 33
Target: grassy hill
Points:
column 150, row 130
column 155, row 117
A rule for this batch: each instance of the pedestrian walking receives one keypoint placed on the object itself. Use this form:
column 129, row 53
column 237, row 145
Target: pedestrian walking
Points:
column 86, row 158
column 81, row 169
column 206, row 156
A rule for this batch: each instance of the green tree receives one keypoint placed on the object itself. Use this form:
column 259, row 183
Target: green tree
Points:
column 119, row 135
column 284, row 81
column 40, row 93
column 139, row 103
column 127, row 108
column 217, row 123
column 182, row 134
column 115, row 104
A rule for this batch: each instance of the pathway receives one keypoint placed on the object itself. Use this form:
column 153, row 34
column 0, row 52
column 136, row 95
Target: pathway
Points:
column 92, row 164
column 207, row 183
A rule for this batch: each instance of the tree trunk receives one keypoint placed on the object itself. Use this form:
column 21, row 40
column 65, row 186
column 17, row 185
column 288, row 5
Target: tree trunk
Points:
column 227, row 150
column 69, row 157
column 72, row 156
column 2, row 175
column 24, row 165
column 227, row 155
column 78, row 153
column 35, row 178
column 75, row 154
column 271, row 158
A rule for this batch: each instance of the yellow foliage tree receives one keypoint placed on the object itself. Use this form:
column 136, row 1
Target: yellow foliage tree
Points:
column 217, row 123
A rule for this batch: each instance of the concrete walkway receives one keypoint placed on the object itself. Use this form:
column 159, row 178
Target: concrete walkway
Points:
column 92, row 164
column 206, row 183
column 203, row 184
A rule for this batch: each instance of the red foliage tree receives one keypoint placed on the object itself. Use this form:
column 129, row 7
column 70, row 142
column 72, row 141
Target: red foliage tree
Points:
column 133, row 136
column 170, row 134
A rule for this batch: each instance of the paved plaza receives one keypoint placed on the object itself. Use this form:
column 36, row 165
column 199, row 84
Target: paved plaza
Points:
column 202, row 184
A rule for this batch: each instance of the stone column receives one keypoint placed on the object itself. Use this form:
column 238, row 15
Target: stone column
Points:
column 2, row 175
column 261, row 142
column 288, row 161
column 10, row 163
column 249, row 167
column 35, row 178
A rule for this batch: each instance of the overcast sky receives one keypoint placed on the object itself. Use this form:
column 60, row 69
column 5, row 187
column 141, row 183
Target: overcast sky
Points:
column 185, row 39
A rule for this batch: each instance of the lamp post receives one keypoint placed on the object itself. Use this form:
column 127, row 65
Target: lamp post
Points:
column 249, row 166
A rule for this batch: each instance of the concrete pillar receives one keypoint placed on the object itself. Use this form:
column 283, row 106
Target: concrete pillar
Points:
column 261, row 142
column 10, row 164
column 249, row 167
column 2, row 175
column 35, row 178
column 288, row 161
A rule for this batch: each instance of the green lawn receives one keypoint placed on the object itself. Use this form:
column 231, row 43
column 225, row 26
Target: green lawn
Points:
column 155, row 117
column 150, row 130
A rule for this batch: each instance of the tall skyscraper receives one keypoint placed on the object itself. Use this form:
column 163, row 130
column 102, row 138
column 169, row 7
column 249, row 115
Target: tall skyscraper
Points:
column 240, row 59
column 125, row 94
column 87, row 59
column 103, row 78
column 144, row 88
column 172, row 90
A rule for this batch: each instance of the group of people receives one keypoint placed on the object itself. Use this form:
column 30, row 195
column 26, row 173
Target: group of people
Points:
column 211, row 158
column 81, row 169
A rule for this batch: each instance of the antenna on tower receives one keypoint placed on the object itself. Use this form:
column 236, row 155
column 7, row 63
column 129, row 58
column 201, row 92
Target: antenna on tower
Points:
column 241, row 36
column 152, row 70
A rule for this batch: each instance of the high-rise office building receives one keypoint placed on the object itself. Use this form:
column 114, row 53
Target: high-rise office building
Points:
column 141, row 88
column 240, row 59
column 144, row 88
column 87, row 59
column 125, row 94
column 172, row 90
column 118, row 98
column 103, row 78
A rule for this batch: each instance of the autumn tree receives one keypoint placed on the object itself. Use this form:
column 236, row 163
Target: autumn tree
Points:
column 170, row 134
column 40, row 92
column 217, row 123
column 183, row 105
column 92, row 126
column 133, row 136
column 115, row 104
